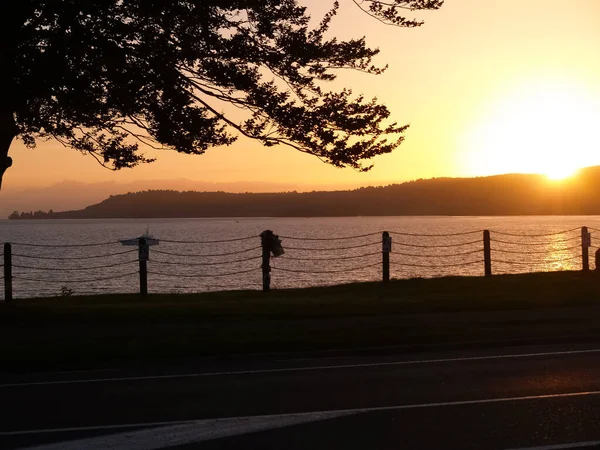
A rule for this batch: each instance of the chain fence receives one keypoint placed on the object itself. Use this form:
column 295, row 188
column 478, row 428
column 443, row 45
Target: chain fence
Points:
column 186, row 266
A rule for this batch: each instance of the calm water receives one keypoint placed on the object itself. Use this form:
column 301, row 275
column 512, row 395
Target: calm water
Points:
column 188, row 267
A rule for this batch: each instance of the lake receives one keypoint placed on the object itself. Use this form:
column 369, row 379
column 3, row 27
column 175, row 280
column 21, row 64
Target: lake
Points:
column 422, row 247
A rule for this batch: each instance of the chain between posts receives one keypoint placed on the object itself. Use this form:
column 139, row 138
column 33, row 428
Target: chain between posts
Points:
column 423, row 248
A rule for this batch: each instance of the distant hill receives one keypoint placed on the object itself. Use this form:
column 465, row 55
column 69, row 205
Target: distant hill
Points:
column 71, row 195
column 513, row 194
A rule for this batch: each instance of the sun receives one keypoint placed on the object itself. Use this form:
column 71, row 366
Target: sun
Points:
column 544, row 128
column 559, row 173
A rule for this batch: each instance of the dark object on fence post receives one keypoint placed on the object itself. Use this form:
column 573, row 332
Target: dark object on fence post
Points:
column 386, row 248
column 143, row 258
column 487, row 253
column 597, row 254
column 270, row 243
column 266, row 261
column 586, row 242
column 7, row 273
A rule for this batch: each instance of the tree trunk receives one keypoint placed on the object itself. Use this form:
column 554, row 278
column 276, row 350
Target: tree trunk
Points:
column 10, row 35
column 7, row 134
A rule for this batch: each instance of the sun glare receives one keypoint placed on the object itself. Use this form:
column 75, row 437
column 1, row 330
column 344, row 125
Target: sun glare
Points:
column 559, row 173
column 541, row 128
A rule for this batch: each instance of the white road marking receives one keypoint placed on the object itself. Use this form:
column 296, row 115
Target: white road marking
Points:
column 561, row 446
column 96, row 428
column 301, row 369
column 319, row 414
column 188, row 433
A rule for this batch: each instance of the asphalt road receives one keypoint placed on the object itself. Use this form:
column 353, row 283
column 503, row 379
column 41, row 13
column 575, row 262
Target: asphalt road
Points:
column 545, row 397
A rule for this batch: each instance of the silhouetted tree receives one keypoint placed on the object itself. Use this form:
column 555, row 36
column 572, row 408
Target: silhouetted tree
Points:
column 94, row 75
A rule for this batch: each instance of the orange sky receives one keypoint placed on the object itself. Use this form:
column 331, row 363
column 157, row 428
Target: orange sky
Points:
column 489, row 86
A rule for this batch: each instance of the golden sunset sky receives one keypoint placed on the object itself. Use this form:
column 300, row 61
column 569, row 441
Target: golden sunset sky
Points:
column 488, row 86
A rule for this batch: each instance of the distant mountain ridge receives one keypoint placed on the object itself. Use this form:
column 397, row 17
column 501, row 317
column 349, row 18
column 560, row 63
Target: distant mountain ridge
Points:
column 73, row 195
column 513, row 194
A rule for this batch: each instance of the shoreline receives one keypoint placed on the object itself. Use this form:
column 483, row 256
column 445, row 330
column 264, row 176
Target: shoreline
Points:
column 416, row 216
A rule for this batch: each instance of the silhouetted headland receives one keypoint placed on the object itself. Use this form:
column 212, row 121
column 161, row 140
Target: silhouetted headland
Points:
column 513, row 194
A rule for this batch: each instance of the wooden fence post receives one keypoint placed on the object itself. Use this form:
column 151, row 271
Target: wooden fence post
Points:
column 265, row 239
column 8, row 273
column 585, row 243
column 143, row 258
column 487, row 253
column 386, row 248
